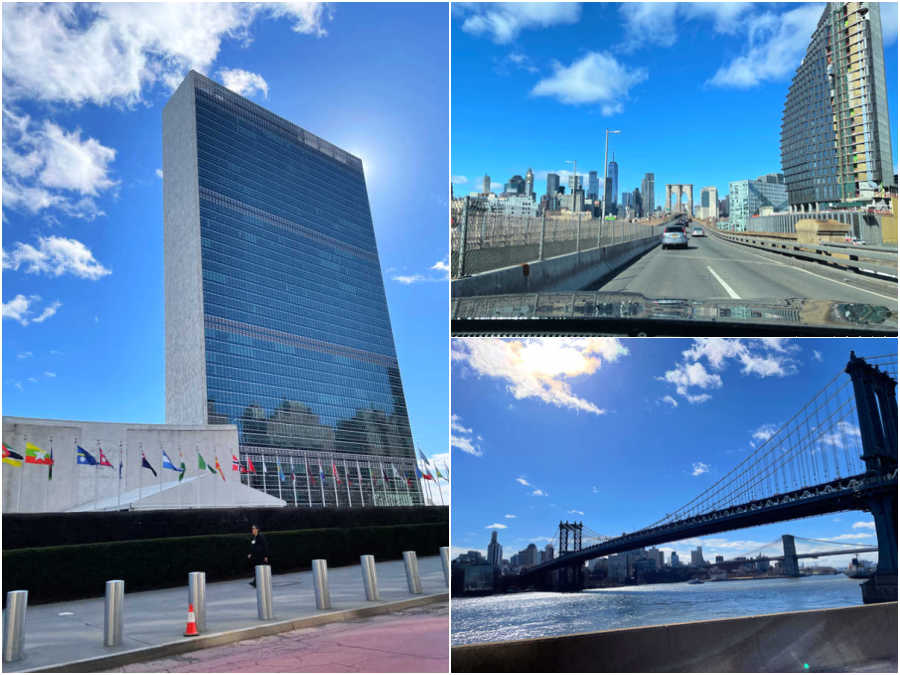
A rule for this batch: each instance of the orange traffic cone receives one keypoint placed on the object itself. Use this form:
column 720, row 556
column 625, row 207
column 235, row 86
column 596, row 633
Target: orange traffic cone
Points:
column 191, row 629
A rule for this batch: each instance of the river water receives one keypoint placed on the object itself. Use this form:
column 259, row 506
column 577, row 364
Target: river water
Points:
column 518, row 616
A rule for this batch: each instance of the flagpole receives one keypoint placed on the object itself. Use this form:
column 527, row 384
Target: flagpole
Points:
column 334, row 478
column 278, row 466
column 119, row 485
column 347, row 478
column 97, row 476
column 427, row 486
column 321, row 480
column 371, row 481
column 294, row 481
column 141, row 488
column 362, row 498
column 306, row 473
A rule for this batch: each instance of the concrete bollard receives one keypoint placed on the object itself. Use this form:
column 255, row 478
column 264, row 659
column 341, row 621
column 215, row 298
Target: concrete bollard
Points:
column 445, row 563
column 114, row 609
column 197, row 598
column 320, row 583
column 264, row 592
column 14, row 626
column 412, row 572
column 370, row 581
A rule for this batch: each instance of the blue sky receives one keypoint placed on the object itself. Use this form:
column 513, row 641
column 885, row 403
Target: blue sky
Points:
column 618, row 433
column 83, row 323
column 697, row 89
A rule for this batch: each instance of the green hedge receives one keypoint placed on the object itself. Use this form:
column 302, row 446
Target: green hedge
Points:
column 57, row 573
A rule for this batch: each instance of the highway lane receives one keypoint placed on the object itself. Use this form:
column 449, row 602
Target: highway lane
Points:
column 712, row 268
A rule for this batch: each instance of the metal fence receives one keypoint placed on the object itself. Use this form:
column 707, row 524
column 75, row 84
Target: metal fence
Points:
column 495, row 240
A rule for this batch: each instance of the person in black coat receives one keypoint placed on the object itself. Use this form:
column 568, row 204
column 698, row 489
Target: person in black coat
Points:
column 259, row 552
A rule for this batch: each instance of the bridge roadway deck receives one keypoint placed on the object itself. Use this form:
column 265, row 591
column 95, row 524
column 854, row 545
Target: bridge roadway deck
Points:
column 844, row 495
column 713, row 268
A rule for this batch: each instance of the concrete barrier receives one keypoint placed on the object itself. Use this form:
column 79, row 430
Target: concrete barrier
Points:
column 824, row 639
column 572, row 271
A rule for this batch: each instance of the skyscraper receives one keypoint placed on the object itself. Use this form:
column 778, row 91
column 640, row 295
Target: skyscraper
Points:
column 276, row 317
column 593, row 185
column 573, row 185
column 637, row 203
column 835, row 132
column 529, row 184
column 494, row 551
column 486, row 185
column 648, row 203
column 612, row 172
column 552, row 184
column 709, row 202
column 515, row 186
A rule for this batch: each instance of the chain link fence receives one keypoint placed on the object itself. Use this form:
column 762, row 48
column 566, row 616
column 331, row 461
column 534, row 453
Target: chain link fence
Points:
column 495, row 240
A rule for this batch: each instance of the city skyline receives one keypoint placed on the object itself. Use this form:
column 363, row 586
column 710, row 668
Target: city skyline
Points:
column 618, row 433
column 731, row 64
column 83, row 190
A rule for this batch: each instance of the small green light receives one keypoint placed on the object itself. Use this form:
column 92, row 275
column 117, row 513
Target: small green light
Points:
column 806, row 666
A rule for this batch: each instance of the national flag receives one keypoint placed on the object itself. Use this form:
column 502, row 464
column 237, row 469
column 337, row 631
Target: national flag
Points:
column 182, row 469
column 146, row 464
column 424, row 458
column 281, row 475
column 427, row 476
column 200, row 463
column 418, row 473
column 11, row 457
column 235, row 463
column 120, row 466
column 394, row 469
column 437, row 471
column 36, row 455
column 219, row 469
column 250, row 467
column 84, row 457
column 104, row 460
column 167, row 463
column 334, row 471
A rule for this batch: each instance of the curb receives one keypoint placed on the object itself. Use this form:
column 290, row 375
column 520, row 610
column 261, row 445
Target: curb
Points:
column 183, row 646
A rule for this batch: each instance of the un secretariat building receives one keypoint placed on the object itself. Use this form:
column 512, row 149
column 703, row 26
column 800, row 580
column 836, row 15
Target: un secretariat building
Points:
column 276, row 317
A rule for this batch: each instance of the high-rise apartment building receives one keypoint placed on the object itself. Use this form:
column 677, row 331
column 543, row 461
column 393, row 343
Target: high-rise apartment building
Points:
column 486, row 185
column 612, row 173
column 647, row 194
column 276, row 317
column 495, row 551
column 709, row 202
column 835, row 132
column 552, row 184
column 593, row 185
column 637, row 203
column 697, row 556
column 573, row 184
column 747, row 197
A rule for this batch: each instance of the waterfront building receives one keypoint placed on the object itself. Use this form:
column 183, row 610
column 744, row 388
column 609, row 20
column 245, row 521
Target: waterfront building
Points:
column 697, row 557
column 494, row 551
column 747, row 197
column 835, row 132
column 275, row 310
column 617, row 567
column 674, row 561
column 547, row 553
column 529, row 556
column 486, row 185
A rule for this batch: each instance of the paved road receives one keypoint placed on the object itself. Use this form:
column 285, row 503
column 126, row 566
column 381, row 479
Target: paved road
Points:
column 68, row 631
column 411, row 641
column 713, row 269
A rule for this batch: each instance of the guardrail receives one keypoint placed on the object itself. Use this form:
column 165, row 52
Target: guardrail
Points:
column 863, row 259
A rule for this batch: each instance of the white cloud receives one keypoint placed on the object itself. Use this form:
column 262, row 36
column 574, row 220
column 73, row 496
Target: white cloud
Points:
column 686, row 375
column 539, row 368
column 19, row 386
column 45, row 166
column 55, row 256
column 442, row 266
column 243, row 82
column 20, row 309
column 575, row 511
column 522, row 481
column 855, row 536
column 864, row 525
column 308, row 17
column 888, row 26
column 459, row 180
column 775, row 46
column 843, row 434
column 48, row 373
column 699, row 468
column 671, row 401
column 595, row 490
column 495, row 526
column 504, row 21
column 159, row 173
column 33, row 380
column 763, row 433
column 509, row 515
column 538, row 493
column 595, row 78
column 817, row 355
column 24, row 355
column 461, row 438
column 648, row 23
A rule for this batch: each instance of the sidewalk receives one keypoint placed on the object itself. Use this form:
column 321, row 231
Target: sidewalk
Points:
column 60, row 633
column 409, row 641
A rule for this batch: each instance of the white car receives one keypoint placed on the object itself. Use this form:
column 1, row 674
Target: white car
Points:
column 697, row 232
column 674, row 235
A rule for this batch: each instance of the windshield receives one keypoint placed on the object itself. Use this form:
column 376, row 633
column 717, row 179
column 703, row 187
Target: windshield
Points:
column 677, row 228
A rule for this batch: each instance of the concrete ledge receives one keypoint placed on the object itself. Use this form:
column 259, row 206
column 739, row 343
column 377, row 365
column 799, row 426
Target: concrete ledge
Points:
column 826, row 639
column 571, row 271
column 124, row 658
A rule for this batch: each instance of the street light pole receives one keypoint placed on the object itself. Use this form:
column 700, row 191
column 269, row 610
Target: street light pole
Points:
column 603, row 200
column 574, row 164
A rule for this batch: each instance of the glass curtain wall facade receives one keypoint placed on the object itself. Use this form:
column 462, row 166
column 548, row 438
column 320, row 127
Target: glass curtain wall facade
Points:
column 835, row 134
column 276, row 317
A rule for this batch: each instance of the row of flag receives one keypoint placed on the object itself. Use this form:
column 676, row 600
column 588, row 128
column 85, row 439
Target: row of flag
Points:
column 36, row 455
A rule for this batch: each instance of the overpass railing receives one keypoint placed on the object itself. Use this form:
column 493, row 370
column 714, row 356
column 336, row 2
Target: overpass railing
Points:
column 484, row 240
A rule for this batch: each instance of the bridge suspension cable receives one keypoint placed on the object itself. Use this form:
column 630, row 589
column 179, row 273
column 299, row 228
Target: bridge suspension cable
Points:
column 820, row 443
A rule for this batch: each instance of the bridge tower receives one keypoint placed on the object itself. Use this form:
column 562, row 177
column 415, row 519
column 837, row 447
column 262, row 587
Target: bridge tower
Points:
column 790, row 565
column 876, row 405
column 570, row 578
